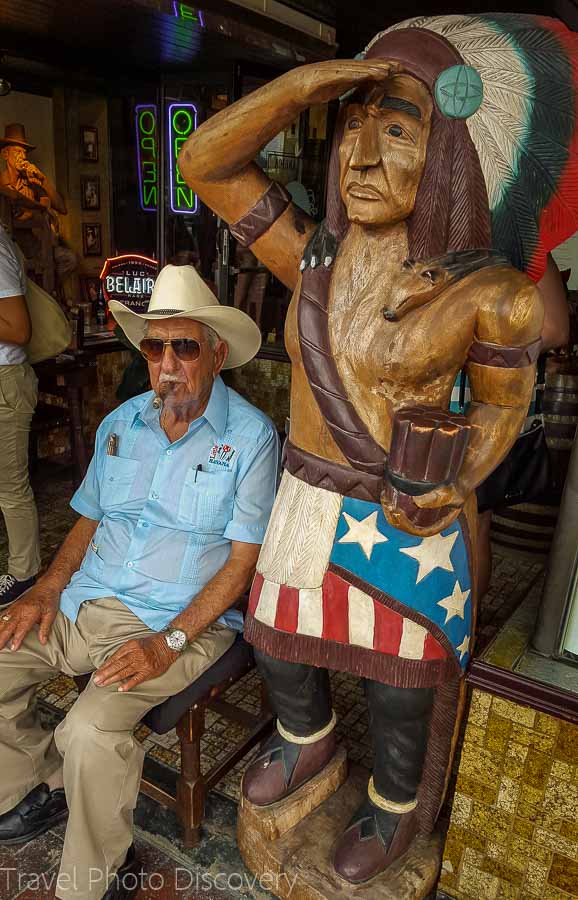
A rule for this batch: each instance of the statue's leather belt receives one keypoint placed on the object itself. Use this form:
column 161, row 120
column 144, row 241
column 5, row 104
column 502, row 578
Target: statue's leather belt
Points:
column 331, row 476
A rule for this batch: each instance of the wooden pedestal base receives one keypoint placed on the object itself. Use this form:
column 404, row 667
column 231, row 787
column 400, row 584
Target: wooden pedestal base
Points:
column 292, row 843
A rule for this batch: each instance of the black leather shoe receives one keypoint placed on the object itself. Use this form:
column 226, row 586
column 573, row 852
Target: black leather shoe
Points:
column 40, row 810
column 127, row 880
column 11, row 588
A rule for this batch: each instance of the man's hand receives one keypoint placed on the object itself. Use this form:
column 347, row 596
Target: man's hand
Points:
column 135, row 662
column 39, row 606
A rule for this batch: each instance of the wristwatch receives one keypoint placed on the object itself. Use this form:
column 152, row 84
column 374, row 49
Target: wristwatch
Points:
column 176, row 639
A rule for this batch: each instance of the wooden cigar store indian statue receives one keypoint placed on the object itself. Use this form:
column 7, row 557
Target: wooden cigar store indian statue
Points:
column 454, row 171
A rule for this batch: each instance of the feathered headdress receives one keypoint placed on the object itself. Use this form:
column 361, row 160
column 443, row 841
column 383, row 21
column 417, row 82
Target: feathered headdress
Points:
column 516, row 87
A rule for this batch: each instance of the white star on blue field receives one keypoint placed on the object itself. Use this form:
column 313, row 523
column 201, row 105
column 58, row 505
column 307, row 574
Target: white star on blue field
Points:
column 430, row 575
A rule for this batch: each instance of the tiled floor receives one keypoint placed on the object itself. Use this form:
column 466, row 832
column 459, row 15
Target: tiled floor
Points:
column 212, row 871
column 215, row 867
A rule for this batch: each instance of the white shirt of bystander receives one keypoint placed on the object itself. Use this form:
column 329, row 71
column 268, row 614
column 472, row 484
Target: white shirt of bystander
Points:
column 12, row 284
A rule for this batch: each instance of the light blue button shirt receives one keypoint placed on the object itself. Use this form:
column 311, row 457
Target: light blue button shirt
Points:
column 167, row 512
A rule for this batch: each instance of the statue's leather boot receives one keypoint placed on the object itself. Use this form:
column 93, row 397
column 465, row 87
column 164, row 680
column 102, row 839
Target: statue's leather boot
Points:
column 305, row 740
column 283, row 766
column 385, row 824
column 372, row 841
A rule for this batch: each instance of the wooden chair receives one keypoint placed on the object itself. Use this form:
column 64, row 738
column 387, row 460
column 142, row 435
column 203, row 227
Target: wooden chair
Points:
column 186, row 713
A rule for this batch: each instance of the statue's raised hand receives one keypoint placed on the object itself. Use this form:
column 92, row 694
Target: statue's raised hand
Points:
column 324, row 81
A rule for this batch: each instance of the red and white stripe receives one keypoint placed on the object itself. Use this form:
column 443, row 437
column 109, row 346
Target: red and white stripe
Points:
column 340, row 612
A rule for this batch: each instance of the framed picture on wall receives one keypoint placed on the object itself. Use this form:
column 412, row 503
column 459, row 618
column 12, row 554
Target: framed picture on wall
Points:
column 90, row 192
column 92, row 238
column 88, row 143
column 90, row 289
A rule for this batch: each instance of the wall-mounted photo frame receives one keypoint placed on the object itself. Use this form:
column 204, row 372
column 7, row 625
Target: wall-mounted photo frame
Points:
column 90, row 289
column 92, row 238
column 90, row 192
column 88, row 143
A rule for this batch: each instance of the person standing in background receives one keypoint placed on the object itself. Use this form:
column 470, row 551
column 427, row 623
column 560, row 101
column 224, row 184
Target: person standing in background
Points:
column 18, row 395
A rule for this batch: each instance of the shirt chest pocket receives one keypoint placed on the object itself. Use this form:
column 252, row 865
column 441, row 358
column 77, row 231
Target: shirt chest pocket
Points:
column 206, row 502
column 118, row 478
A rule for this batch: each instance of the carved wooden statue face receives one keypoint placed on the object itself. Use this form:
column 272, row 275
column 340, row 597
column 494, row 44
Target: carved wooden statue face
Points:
column 383, row 150
column 15, row 157
column 15, row 162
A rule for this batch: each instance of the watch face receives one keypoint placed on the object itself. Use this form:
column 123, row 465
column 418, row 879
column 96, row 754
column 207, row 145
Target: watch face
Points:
column 176, row 640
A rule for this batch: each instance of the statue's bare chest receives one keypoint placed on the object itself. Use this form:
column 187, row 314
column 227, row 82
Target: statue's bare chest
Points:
column 418, row 349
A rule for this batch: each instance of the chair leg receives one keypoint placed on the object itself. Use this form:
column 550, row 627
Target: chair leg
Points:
column 190, row 784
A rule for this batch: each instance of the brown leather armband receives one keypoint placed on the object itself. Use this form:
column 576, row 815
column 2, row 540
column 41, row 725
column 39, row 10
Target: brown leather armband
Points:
column 504, row 357
column 265, row 213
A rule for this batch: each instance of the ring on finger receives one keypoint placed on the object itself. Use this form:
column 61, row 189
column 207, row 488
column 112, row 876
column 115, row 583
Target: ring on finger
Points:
column 6, row 618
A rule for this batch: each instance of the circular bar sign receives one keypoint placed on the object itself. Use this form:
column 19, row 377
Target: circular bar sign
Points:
column 129, row 279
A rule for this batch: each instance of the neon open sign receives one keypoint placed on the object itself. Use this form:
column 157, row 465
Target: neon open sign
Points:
column 183, row 11
column 182, row 123
column 147, row 153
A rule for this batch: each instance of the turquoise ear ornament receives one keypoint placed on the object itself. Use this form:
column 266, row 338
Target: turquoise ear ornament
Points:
column 459, row 92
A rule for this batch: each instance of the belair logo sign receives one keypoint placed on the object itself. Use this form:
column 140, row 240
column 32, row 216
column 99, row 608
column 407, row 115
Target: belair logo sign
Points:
column 129, row 279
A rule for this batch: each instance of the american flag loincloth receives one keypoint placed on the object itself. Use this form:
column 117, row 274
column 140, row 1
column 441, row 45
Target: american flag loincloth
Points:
column 339, row 611
column 350, row 592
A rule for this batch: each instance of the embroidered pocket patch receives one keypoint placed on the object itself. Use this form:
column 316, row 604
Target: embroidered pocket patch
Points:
column 222, row 455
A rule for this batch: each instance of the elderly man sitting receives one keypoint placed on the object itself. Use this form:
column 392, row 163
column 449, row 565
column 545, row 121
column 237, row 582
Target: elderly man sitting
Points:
column 173, row 510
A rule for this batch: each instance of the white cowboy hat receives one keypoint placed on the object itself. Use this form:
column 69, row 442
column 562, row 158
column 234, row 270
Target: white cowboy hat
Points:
column 179, row 292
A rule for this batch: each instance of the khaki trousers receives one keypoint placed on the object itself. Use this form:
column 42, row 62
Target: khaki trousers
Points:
column 18, row 394
column 102, row 760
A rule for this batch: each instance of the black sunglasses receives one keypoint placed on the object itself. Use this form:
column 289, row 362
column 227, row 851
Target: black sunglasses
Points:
column 185, row 349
